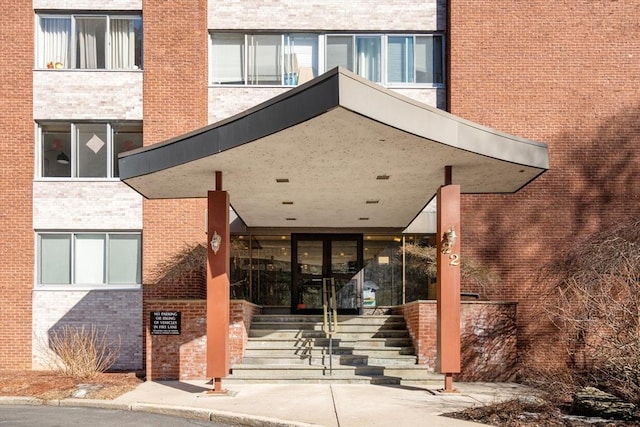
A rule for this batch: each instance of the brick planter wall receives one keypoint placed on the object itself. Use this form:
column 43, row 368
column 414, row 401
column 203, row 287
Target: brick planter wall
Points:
column 488, row 337
column 184, row 356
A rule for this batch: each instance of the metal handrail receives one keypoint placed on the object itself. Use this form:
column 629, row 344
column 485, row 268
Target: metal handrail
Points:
column 329, row 314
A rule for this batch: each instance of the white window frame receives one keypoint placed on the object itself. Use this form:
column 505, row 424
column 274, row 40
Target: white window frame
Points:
column 39, row 38
column 321, row 60
column 111, row 129
column 72, row 257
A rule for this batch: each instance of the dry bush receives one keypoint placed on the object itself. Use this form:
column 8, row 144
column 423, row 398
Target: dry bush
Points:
column 474, row 276
column 82, row 352
column 190, row 259
column 596, row 307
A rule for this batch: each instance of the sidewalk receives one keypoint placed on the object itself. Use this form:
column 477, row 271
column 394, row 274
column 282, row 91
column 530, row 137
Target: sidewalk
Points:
column 336, row 405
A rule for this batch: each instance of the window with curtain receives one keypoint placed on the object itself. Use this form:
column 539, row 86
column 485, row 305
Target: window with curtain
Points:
column 264, row 59
column 360, row 54
column 85, row 150
column 227, row 65
column 84, row 41
column 110, row 258
column 290, row 59
column 54, row 50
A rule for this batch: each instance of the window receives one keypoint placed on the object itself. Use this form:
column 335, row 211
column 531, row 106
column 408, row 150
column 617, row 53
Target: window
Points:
column 360, row 54
column 89, row 42
column 292, row 59
column 415, row 59
column 89, row 259
column 263, row 59
column 85, row 150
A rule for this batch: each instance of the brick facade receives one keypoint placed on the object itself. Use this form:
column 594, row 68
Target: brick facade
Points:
column 328, row 15
column 564, row 73
column 114, row 313
column 98, row 205
column 488, row 338
column 175, row 102
column 184, row 356
column 104, row 95
column 16, row 175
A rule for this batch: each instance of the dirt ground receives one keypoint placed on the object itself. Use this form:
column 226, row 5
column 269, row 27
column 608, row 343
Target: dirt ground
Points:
column 50, row 385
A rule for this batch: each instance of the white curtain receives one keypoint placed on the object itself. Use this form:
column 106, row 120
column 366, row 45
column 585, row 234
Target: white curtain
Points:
column 89, row 259
column 87, row 55
column 123, row 47
column 124, row 258
column 227, row 59
column 54, row 42
column 369, row 58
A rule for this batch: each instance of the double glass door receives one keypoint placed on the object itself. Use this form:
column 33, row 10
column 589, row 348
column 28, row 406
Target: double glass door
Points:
column 315, row 257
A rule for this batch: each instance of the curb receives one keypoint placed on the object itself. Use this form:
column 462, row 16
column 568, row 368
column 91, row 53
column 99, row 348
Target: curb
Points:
column 222, row 417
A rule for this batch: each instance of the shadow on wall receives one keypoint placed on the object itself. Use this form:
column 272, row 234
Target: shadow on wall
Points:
column 593, row 184
column 114, row 317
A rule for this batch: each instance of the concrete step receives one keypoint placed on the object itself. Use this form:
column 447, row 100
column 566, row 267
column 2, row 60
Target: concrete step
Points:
column 341, row 327
column 381, row 343
column 294, row 349
column 348, row 335
column 371, row 320
column 255, row 351
column 296, row 374
column 304, row 370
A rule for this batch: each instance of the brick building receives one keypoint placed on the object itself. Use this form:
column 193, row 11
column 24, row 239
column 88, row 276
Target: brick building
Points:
column 87, row 79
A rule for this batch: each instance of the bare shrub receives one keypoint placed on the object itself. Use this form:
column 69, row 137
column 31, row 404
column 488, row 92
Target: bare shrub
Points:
column 190, row 259
column 474, row 276
column 596, row 306
column 82, row 352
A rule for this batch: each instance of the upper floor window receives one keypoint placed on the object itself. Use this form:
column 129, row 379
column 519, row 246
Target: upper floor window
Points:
column 89, row 41
column 263, row 59
column 85, row 150
column 89, row 258
column 291, row 59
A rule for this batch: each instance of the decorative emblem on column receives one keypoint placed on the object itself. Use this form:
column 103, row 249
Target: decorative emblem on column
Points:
column 215, row 242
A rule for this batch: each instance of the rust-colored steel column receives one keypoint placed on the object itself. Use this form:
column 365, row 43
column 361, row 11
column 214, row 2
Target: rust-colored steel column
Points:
column 448, row 283
column 218, row 285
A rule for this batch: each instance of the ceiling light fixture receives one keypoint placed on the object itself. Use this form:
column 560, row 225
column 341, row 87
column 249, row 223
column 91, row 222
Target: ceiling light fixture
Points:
column 62, row 158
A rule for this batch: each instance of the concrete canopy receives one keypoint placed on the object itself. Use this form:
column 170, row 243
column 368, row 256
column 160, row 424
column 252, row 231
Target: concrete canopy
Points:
column 338, row 152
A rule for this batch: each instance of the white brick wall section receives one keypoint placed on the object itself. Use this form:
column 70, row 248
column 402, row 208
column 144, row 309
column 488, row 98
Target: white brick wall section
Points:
column 227, row 101
column 86, row 95
column 88, row 4
column 116, row 313
column 352, row 15
column 101, row 205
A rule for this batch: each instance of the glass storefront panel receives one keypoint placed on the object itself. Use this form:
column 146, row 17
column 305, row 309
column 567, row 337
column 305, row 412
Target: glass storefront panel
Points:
column 261, row 269
column 393, row 274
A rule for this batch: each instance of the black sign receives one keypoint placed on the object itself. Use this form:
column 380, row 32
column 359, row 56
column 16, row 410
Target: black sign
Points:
column 165, row 322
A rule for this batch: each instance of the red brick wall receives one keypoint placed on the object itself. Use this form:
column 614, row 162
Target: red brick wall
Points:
column 240, row 316
column 175, row 102
column 564, row 73
column 488, row 338
column 16, row 177
column 184, row 356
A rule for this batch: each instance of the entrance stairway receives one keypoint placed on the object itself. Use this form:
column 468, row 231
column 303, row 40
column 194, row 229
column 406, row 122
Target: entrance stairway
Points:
column 365, row 349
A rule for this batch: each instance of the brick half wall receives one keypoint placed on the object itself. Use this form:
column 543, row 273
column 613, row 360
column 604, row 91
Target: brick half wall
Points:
column 184, row 356
column 488, row 338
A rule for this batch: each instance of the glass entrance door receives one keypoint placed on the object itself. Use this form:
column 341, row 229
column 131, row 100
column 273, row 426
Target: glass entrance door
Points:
column 315, row 257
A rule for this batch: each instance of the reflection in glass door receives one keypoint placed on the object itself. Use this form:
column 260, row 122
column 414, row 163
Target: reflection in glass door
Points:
column 318, row 256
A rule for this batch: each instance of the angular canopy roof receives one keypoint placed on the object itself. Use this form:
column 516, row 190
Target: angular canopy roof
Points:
column 338, row 151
